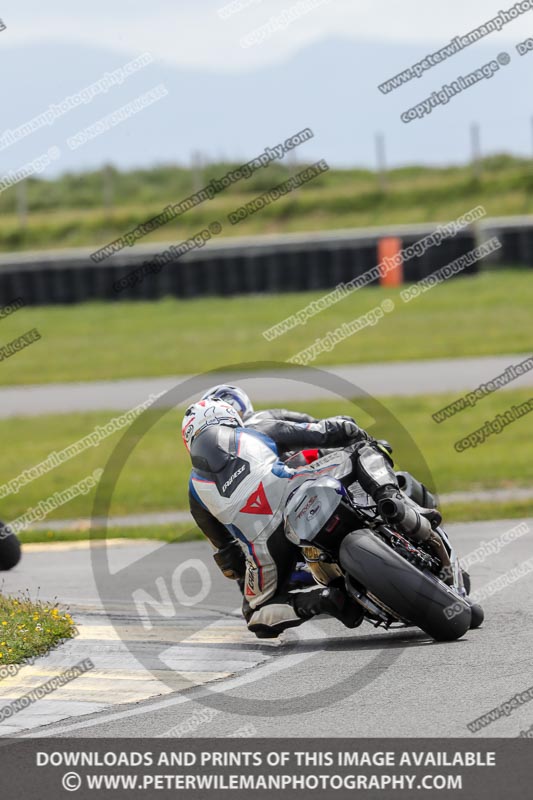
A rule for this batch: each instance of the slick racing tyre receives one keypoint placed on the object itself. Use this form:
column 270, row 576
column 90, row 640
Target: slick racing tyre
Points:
column 417, row 597
column 9, row 548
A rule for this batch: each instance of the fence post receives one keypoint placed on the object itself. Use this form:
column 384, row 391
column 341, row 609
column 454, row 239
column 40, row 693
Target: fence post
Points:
column 390, row 261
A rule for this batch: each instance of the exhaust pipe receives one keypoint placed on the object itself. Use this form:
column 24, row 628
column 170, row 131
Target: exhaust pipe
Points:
column 415, row 490
column 406, row 517
column 418, row 527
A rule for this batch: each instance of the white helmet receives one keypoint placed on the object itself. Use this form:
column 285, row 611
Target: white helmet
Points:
column 204, row 413
column 233, row 395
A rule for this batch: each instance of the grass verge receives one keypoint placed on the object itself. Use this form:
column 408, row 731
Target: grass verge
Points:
column 469, row 316
column 155, row 477
column 163, row 533
column 176, row 534
column 67, row 211
column 481, row 512
column 30, row 628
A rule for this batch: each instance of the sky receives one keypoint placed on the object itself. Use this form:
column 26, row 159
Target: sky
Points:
column 227, row 97
column 192, row 33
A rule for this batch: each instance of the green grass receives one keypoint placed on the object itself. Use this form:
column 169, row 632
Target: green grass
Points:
column 93, row 229
column 482, row 315
column 68, row 211
column 164, row 533
column 465, row 512
column 456, row 512
column 30, row 628
column 155, row 476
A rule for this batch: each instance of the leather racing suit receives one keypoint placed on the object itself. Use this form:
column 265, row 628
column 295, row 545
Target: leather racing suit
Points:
column 238, row 490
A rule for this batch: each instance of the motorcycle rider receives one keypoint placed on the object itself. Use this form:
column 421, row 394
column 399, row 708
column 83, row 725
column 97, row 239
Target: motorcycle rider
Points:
column 262, row 420
column 259, row 420
column 237, row 493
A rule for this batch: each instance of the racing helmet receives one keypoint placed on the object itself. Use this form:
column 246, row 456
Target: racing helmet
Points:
column 204, row 413
column 233, row 395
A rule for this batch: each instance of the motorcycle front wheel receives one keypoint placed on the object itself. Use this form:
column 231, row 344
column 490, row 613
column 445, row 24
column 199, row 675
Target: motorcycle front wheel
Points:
column 10, row 552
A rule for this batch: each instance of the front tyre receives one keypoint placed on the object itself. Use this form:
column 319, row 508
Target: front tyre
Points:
column 417, row 597
column 9, row 549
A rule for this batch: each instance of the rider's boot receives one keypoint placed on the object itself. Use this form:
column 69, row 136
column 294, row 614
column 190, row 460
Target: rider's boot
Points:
column 301, row 577
column 332, row 601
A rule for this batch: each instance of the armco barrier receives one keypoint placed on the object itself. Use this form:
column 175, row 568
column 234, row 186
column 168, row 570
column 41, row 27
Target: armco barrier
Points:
column 274, row 264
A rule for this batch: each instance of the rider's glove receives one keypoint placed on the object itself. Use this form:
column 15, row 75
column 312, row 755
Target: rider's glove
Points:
column 231, row 562
column 342, row 431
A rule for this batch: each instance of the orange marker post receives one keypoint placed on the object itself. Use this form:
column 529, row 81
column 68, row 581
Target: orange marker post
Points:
column 390, row 261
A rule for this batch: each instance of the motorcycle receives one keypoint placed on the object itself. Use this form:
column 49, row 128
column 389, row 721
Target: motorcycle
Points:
column 398, row 580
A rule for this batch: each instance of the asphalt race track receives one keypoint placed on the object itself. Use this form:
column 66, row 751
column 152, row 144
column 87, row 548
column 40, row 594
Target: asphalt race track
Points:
column 318, row 680
column 405, row 378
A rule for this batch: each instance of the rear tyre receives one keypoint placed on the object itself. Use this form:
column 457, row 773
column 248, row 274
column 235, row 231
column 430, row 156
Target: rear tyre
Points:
column 417, row 597
column 478, row 615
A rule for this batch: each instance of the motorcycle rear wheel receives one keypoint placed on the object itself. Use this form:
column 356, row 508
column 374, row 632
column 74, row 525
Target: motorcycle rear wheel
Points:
column 417, row 597
column 478, row 615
